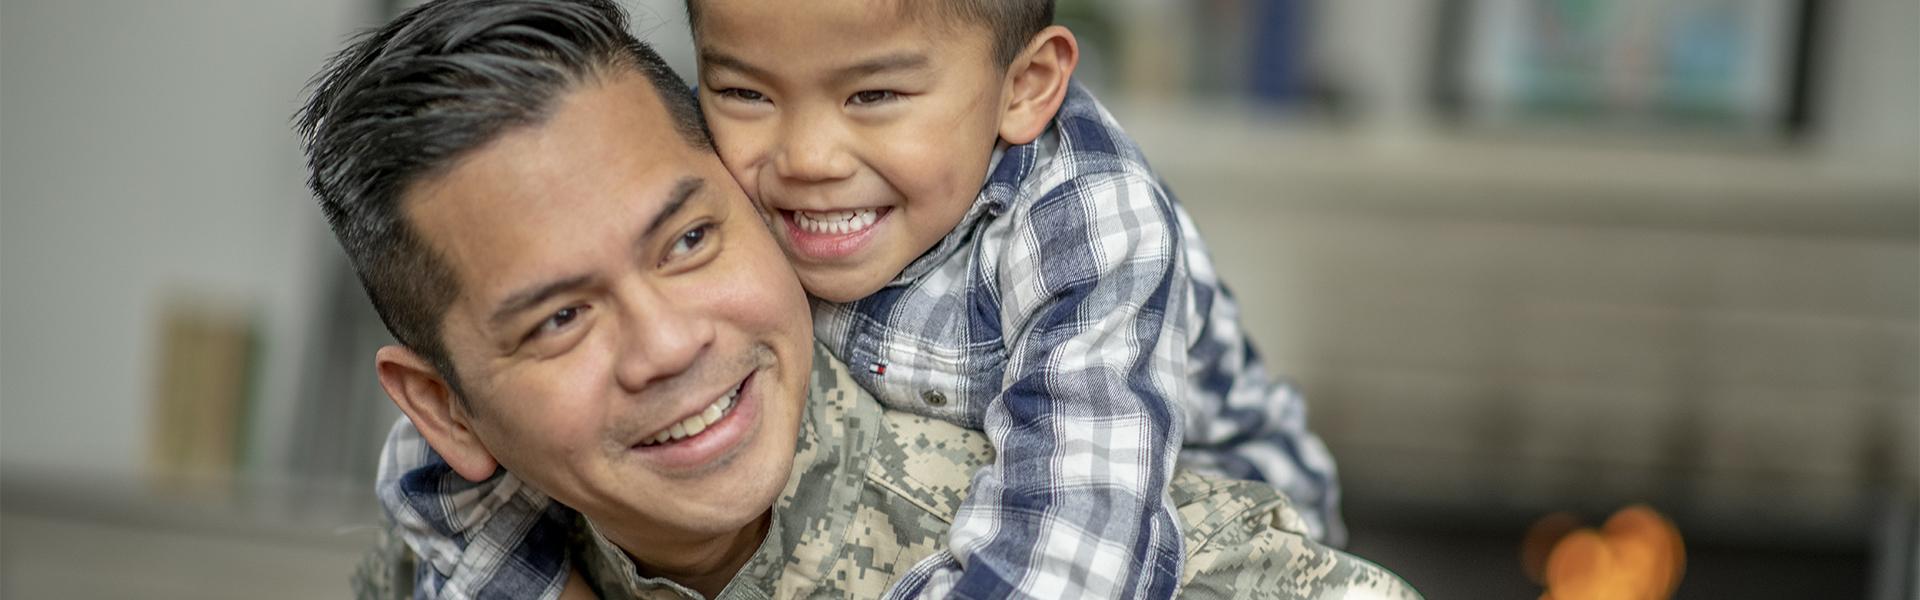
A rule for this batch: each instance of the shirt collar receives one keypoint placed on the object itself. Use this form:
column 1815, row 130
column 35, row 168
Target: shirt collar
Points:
column 1009, row 167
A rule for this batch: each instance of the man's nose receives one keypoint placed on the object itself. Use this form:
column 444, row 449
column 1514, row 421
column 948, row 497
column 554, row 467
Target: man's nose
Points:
column 664, row 337
column 812, row 149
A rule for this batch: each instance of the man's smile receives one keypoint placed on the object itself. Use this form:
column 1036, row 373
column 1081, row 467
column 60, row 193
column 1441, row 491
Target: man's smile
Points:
column 693, row 425
column 710, row 438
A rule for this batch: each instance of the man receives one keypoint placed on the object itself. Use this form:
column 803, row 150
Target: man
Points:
column 588, row 307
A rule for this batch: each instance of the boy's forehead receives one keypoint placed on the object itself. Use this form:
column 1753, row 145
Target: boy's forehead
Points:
column 804, row 39
column 928, row 15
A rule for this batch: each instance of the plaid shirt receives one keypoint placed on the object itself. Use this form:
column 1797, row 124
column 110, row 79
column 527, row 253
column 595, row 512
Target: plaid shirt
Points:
column 1074, row 316
column 874, row 491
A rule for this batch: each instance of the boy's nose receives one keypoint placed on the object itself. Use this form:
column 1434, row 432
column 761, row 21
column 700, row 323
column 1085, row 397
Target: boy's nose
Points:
column 813, row 153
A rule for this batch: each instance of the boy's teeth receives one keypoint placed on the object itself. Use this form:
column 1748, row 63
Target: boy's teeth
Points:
column 697, row 423
column 837, row 222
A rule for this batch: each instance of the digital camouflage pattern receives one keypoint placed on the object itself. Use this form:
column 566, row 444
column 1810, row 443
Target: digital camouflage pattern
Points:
column 874, row 491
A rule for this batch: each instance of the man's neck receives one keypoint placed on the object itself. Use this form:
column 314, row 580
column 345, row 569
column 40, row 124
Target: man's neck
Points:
column 706, row 566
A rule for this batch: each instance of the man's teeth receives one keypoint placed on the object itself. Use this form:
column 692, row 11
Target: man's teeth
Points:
column 697, row 423
column 839, row 222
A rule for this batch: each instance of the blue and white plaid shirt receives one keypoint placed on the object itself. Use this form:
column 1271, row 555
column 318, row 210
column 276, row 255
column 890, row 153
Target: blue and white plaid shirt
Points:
column 1074, row 316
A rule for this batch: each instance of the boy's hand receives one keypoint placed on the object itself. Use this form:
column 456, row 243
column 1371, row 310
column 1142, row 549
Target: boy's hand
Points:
column 576, row 588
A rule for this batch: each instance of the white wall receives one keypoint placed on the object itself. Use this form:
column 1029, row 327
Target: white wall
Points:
column 1871, row 104
column 145, row 151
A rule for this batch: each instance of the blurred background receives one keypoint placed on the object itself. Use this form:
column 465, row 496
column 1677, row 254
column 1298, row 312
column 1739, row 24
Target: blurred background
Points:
column 1523, row 256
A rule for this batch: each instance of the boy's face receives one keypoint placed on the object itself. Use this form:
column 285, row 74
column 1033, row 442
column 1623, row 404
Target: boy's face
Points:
column 861, row 131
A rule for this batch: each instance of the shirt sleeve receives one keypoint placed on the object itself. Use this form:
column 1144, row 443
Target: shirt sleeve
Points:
column 1086, row 426
column 490, row 539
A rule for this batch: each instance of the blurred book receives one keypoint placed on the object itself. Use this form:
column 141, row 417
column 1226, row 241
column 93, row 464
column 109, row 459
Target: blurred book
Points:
column 1261, row 52
column 208, row 354
column 1722, row 66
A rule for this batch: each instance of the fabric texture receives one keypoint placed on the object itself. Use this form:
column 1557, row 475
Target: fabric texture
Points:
column 1074, row 316
column 875, row 490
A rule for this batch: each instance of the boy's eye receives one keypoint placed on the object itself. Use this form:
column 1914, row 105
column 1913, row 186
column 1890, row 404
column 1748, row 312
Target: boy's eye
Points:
column 872, row 97
column 742, row 95
column 689, row 242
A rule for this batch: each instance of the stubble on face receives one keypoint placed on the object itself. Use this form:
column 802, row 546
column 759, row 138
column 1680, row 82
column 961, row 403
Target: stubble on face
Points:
column 579, row 194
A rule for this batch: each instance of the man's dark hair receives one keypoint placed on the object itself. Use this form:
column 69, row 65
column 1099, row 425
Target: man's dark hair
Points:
column 1013, row 22
column 404, row 102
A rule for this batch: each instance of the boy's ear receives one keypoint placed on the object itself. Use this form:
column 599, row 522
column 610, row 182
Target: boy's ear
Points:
column 1037, row 83
column 418, row 389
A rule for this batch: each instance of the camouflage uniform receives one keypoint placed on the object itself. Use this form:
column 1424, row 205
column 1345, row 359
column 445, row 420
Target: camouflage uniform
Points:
column 873, row 492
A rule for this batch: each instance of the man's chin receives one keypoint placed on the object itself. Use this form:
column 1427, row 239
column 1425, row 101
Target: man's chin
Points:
column 723, row 509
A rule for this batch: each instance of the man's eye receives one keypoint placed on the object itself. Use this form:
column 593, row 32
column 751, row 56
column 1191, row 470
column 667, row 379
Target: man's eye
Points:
column 743, row 95
column 690, row 241
column 872, row 97
column 557, row 321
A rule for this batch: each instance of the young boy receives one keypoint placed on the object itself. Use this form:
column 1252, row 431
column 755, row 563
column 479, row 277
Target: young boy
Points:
column 986, row 246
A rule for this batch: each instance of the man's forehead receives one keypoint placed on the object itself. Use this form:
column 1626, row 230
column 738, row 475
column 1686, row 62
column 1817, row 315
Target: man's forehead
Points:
column 586, row 177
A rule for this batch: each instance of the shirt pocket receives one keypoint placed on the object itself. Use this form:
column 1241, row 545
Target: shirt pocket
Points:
column 941, row 375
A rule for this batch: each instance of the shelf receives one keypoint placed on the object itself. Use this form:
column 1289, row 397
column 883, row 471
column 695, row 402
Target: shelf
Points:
column 293, row 512
column 1231, row 156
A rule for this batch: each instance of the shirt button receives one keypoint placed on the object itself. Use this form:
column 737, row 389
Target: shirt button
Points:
column 934, row 398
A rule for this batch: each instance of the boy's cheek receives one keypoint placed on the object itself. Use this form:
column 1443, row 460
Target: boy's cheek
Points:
column 740, row 166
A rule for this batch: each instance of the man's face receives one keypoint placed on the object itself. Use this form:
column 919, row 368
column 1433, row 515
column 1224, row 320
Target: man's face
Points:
column 862, row 131
column 629, row 337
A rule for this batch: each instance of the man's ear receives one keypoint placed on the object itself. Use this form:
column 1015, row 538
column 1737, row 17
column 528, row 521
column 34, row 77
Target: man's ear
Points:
column 420, row 392
column 1037, row 83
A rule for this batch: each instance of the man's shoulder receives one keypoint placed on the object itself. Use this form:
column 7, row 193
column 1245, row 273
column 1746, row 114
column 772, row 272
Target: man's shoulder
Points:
column 918, row 461
column 912, row 473
column 1244, row 535
column 928, row 462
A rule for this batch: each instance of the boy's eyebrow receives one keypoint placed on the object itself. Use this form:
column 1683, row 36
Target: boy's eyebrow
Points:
column 716, row 60
column 683, row 190
column 898, row 61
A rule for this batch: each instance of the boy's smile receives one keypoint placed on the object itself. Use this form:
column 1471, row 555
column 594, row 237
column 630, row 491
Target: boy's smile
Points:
column 830, row 235
column 860, row 130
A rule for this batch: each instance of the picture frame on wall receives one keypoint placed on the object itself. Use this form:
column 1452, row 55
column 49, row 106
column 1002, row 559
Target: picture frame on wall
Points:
column 1721, row 68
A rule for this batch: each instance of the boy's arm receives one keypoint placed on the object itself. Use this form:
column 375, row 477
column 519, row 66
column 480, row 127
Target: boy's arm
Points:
column 577, row 588
column 470, row 538
column 1242, row 421
column 1086, row 429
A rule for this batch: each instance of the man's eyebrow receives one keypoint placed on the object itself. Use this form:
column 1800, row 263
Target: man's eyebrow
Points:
column 531, row 297
column 683, row 191
column 522, row 300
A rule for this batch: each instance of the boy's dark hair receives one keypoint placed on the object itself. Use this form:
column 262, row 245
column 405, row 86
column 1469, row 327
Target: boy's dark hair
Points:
column 404, row 102
column 1013, row 22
